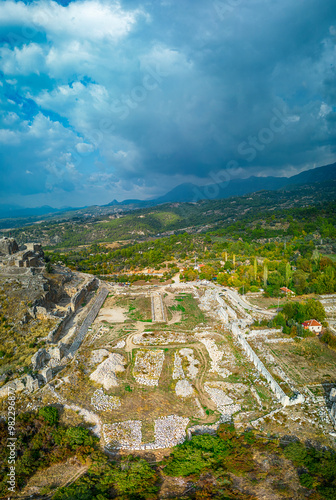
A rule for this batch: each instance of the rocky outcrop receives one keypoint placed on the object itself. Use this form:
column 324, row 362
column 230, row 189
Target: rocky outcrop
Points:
column 18, row 385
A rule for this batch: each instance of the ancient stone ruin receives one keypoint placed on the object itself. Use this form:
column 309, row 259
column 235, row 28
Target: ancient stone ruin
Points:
column 29, row 255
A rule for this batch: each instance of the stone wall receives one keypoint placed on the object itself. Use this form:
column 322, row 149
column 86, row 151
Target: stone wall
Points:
column 76, row 301
column 333, row 414
column 279, row 393
column 82, row 294
column 94, row 310
column 8, row 246
column 55, row 334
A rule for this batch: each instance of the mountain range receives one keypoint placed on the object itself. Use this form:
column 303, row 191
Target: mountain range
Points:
column 189, row 192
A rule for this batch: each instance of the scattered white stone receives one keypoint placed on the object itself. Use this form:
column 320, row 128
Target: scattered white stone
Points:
column 102, row 402
column 178, row 372
column 215, row 355
column 224, row 403
column 184, row 388
column 148, row 367
column 105, row 373
column 170, row 431
column 123, row 435
column 98, row 355
column 120, row 345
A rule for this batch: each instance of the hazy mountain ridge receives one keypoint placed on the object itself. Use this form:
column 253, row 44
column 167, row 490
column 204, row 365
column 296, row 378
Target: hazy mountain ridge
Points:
column 186, row 192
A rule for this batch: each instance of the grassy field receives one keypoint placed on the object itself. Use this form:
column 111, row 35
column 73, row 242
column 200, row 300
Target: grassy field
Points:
column 306, row 362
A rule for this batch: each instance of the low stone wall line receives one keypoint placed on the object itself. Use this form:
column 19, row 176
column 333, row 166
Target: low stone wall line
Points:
column 279, row 393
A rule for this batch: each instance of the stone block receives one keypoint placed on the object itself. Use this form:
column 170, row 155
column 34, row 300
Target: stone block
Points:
column 39, row 359
column 47, row 374
column 332, row 396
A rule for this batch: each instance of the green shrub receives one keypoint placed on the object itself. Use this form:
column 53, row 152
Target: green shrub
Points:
column 49, row 414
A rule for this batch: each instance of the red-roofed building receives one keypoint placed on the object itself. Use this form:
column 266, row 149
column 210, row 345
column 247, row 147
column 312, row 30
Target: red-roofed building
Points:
column 287, row 291
column 312, row 325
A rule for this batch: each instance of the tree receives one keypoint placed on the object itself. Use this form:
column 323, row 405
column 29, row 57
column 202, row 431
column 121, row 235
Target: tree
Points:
column 300, row 282
column 49, row 267
column 134, row 478
column 288, row 273
column 315, row 310
column 265, row 274
column 255, row 269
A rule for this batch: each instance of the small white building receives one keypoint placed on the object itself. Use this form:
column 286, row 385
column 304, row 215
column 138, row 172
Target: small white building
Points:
column 312, row 325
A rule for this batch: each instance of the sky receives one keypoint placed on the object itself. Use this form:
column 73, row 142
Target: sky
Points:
column 104, row 100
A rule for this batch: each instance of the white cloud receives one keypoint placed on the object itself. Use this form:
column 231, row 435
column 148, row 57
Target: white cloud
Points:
column 84, row 148
column 324, row 110
column 86, row 20
column 29, row 59
column 8, row 137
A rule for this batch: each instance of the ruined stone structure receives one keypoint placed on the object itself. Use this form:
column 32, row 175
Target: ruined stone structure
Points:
column 82, row 294
column 8, row 246
column 10, row 254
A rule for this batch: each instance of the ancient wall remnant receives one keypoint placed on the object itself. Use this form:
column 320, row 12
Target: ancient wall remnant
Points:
column 82, row 295
column 279, row 393
column 8, row 246
column 40, row 358
column 30, row 256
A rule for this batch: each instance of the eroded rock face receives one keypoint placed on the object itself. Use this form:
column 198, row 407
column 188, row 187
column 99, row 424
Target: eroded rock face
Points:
column 8, row 246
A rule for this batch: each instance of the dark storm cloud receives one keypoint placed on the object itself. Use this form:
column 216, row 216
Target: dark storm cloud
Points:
column 132, row 98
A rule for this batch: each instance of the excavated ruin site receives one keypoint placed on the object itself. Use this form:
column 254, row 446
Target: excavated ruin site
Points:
column 148, row 366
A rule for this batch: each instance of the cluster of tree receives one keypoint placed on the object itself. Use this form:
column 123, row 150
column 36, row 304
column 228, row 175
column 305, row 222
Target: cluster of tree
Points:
column 41, row 441
column 234, row 253
column 317, row 468
column 209, row 461
column 293, row 314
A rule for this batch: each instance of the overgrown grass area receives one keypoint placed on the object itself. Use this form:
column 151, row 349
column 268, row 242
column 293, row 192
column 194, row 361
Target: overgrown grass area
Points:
column 307, row 361
column 192, row 316
column 138, row 308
